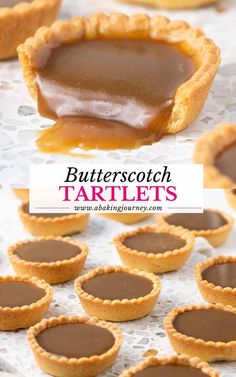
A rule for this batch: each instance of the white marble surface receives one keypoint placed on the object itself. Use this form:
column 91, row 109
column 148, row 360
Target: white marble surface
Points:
column 19, row 121
column 179, row 288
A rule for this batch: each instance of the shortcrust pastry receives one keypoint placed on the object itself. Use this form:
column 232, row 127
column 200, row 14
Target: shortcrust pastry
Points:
column 74, row 346
column 155, row 249
column 126, row 218
column 172, row 366
column 19, row 19
column 54, row 259
column 216, row 279
column 216, row 150
column 214, row 225
column 158, row 70
column 208, row 332
column 231, row 197
column 22, row 194
column 173, row 4
column 23, row 301
column 56, row 224
column 116, row 293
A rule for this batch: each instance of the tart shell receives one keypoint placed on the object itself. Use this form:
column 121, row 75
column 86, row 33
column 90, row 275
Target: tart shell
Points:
column 27, row 315
column 216, row 237
column 208, row 147
column 206, row 350
column 173, row 4
column 117, row 310
column 126, row 218
column 22, row 20
column 193, row 362
column 156, row 263
column 231, row 198
column 22, row 194
column 64, row 367
column 56, row 226
column 53, row 272
column 190, row 96
column 210, row 292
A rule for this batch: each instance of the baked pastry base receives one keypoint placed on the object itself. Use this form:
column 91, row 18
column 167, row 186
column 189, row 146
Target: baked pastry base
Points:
column 22, row 194
column 231, row 198
column 206, row 150
column 62, row 366
column 27, row 315
column 172, row 4
column 186, row 345
column 216, row 237
column 53, row 272
column 117, row 310
column 210, row 292
column 56, row 226
column 22, row 20
column 156, row 263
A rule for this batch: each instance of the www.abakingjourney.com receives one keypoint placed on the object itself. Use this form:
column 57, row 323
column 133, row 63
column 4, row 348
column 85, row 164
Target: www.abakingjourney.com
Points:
column 117, row 209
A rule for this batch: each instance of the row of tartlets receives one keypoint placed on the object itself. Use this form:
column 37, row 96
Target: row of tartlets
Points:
column 115, row 293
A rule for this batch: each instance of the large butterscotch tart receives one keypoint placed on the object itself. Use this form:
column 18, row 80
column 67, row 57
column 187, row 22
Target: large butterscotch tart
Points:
column 208, row 332
column 19, row 19
column 74, row 346
column 172, row 366
column 116, row 293
column 23, row 301
column 114, row 81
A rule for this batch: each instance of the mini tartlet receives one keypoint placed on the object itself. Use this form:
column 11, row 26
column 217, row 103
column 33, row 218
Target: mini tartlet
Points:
column 125, row 303
column 161, row 261
column 216, row 236
column 126, row 218
column 216, row 279
column 23, row 311
column 22, row 194
column 82, row 366
column 22, row 20
column 202, row 367
column 52, row 224
column 210, row 151
column 53, row 270
column 231, row 198
column 173, row 4
column 205, row 331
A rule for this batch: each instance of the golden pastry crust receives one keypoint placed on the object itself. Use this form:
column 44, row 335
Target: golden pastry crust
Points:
column 208, row 147
column 189, row 97
column 193, row 362
column 117, row 310
column 27, row 315
column 22, row 20
column 156, row 263
column 205, row 350
column 215, row 237
column 62, row 366
column 56, row 226
column 22, row 194
column 231, row 198
column 53, row 272
column 126, row 218
column 173, row 4
column 210, row 292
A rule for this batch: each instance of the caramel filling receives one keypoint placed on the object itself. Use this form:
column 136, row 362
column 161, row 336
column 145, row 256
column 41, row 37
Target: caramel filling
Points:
column 11, row 3
column 156, row 243
column 170, row 371
column 118, row 286
column 225, row 162
column 52, row 215
column 108, row 94
column 18, row 293
column 76, row 340
column 207, row 324
column 223, row 275
column 47, row 251
column 208, row 220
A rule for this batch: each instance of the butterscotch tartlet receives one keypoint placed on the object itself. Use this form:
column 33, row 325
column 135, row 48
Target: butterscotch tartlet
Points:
column 231, row 198
column 116, row 293
column 213, row 225
column 22, row 194
column 120, row 55
column 208, row 332
column 23, row 301
column 173, row 4
column 54, row 259
column 126, row 218
column 216, row 279
column 19, row 19
column 56, row 224
column 169, row 366
column 216, row 150
column 74, row 346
